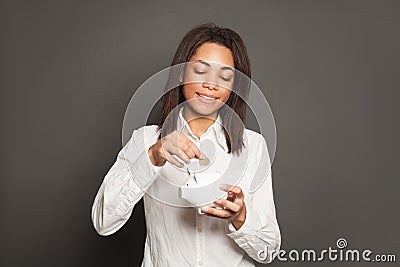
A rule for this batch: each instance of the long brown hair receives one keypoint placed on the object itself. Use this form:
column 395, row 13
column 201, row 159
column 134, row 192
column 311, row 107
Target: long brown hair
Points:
column 210, row 33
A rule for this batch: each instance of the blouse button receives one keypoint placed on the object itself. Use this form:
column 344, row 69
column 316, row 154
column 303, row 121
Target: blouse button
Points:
column 199, row 229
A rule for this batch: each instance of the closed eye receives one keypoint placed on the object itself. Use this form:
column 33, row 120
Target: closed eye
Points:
column 199, row 72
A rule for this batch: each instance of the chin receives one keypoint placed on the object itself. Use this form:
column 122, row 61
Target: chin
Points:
column 203, row 110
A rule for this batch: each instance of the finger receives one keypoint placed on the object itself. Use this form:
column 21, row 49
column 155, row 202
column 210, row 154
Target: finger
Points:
column 179, row 153
column 228, row 205
column 183, row 156
column 196, row 150
column 188, row 151
column 193, row 149
column 191, row 145
column 173, row 160
column 236, row 190
column 220, row 213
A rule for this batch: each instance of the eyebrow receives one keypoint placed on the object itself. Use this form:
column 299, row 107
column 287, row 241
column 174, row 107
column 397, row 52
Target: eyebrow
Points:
column 208, row 65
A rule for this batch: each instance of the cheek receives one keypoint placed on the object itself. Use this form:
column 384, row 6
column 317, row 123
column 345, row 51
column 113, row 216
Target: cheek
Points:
column 225, row 94
column 188, row 91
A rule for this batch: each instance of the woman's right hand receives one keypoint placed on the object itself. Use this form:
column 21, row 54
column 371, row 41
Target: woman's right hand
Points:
column 175, row 143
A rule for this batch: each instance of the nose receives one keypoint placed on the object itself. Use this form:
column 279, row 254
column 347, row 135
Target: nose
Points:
column 211, row 80
column 210, row 85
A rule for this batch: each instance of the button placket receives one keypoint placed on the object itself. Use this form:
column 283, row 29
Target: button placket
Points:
column 200, row 249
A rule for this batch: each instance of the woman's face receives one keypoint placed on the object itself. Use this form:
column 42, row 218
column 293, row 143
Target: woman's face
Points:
column 208, row 79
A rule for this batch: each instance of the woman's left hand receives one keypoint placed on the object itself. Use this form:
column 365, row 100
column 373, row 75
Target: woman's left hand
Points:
column 234, row 206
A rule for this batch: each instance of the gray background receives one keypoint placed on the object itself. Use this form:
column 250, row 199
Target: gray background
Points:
column 329, row 70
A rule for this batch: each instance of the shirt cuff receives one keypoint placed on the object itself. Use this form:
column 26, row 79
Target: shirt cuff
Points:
column 249, row 227
column 143, row 172
column 156, row 168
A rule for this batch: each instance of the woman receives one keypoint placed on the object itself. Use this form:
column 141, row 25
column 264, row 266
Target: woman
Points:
column 245, row 229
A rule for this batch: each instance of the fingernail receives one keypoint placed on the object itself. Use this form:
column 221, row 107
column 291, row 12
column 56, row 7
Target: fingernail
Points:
column 204, row 209
column 222, row 187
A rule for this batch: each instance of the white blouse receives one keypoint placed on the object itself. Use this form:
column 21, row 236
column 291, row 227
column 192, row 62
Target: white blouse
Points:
column 179, row 236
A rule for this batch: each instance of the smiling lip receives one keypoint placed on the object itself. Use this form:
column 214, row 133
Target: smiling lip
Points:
column 209, row 99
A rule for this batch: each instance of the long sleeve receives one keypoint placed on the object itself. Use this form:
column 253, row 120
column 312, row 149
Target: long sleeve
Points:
column 125, row 183
column 259, row 236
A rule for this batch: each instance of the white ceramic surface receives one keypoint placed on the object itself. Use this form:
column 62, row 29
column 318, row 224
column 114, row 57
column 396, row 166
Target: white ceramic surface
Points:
column 189, row 193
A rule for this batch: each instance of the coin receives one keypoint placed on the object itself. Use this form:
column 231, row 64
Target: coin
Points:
column 204, row 161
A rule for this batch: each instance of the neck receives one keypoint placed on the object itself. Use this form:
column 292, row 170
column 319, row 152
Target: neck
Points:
column 198, row 123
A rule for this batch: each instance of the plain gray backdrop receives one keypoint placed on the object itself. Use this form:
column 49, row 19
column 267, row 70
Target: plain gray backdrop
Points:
column 329, row 69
